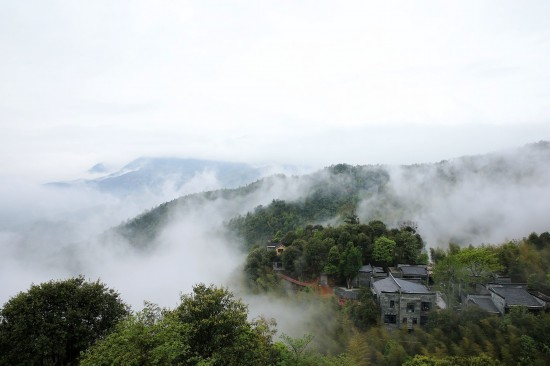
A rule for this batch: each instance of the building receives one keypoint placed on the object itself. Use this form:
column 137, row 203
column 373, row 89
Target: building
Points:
column 409, row 271
column 277, row 247
column 499, row 298
column 367, row 273
column 403, row 303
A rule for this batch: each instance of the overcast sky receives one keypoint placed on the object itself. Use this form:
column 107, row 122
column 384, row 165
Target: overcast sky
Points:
column 297, row 82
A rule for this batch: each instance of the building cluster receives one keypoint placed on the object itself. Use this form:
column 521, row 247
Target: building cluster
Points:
column 406, row 300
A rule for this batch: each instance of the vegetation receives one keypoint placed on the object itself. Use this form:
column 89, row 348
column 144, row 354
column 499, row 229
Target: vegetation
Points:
column 337, row 251
column 77, row 322
column 209, row 327
column 52, row 323
column 331, row 192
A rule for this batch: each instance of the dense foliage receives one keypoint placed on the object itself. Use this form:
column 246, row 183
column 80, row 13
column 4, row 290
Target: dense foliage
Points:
column 338, row 251
column 333, row 192
column 209, row 327
column 467, row 337
column 51, row 323
column 524, row 261
column 328, row 193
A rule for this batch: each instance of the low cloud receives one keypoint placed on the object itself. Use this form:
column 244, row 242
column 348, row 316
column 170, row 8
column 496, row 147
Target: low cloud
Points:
column 471, row 200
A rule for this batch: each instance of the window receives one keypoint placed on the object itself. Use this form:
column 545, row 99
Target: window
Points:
column 404, row 321
column 410, row 307
column 392, row 304
column 390, row 319
column 426, row 306
column 415, row 320
column 423, row 320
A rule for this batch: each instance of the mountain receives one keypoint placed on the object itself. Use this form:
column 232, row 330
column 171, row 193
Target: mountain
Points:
column 471, row 199
column 155, row 174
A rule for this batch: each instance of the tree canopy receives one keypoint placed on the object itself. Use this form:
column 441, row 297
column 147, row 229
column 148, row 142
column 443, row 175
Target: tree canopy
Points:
column 209, row 327
column 52, row 323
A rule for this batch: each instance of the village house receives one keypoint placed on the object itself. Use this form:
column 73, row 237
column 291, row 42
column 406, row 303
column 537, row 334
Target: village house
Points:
column 403, row 303
column 279, row 248
column 366, row 274
column 410, row 271
column 499, row 298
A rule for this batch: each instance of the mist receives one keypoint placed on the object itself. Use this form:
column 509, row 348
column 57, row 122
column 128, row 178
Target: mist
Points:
column 475, row 200
column 47, row 233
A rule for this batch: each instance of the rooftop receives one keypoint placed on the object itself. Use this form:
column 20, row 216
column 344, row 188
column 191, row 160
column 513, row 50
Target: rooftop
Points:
column 484, row 302
column 516, row 295
column 391, row 284
column 410, row 270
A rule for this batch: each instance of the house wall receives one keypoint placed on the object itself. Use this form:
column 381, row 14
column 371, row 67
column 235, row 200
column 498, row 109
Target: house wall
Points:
column 407, row 308
column 499, row 302
column 363, row 279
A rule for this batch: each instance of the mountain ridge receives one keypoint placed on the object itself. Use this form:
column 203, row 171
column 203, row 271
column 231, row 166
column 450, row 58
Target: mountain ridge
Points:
column 467, row 189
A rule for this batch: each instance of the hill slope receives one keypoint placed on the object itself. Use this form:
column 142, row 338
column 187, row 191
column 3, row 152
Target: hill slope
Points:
column 470, row 199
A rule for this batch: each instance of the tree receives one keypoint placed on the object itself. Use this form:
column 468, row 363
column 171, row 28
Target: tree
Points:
column 150, row 337
column 350, row 263
column 464, row 267
column 333, row 261
column 295, row 353
column 52, row 323
column 480, row 263
column 384, row 249
column 209, row 327
column 219, row 332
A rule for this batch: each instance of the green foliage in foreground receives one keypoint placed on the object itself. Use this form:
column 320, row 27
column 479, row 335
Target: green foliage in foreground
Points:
column 52, row 323
column 209, row 327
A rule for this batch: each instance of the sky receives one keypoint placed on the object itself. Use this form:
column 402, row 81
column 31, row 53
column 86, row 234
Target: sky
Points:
column 292, row 82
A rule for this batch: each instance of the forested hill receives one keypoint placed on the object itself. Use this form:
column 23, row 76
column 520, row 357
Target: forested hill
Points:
column 484, row 198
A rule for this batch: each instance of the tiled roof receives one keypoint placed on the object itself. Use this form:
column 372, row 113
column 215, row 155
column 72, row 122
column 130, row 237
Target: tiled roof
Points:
column 483, row 301
column 414, row 271
column 516, row 295
column 366, row 268
column 391, row 284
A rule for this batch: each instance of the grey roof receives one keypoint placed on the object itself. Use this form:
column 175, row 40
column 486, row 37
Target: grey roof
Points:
column 379, row 270
column 366, row 268
column 420, row 271
column 516, row 295
column 485, row 302
column 391, row 284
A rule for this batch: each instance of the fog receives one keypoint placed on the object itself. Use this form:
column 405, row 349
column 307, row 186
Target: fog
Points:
column 49, row 233
column 471, row 200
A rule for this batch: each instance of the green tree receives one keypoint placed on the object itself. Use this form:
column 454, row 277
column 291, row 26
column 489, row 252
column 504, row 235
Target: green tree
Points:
column 295, row 352
column 384, row 251
column 219, row 331
column 333, row 261
column 350, row 263
column 52, row 323
column 209, row 327
column 480, row 263
column 150, row 337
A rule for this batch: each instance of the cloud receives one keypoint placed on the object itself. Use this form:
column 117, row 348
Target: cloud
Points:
column 282, row 82
column 471, row 200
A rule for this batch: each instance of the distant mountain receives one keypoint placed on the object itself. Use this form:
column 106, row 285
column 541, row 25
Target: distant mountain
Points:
column 153, row 174
column 472, row 199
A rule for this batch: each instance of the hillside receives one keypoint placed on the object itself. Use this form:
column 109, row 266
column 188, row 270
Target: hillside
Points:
column 472, row 199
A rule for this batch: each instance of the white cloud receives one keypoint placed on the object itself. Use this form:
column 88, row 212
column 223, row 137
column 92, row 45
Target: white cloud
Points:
column 96, row 81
